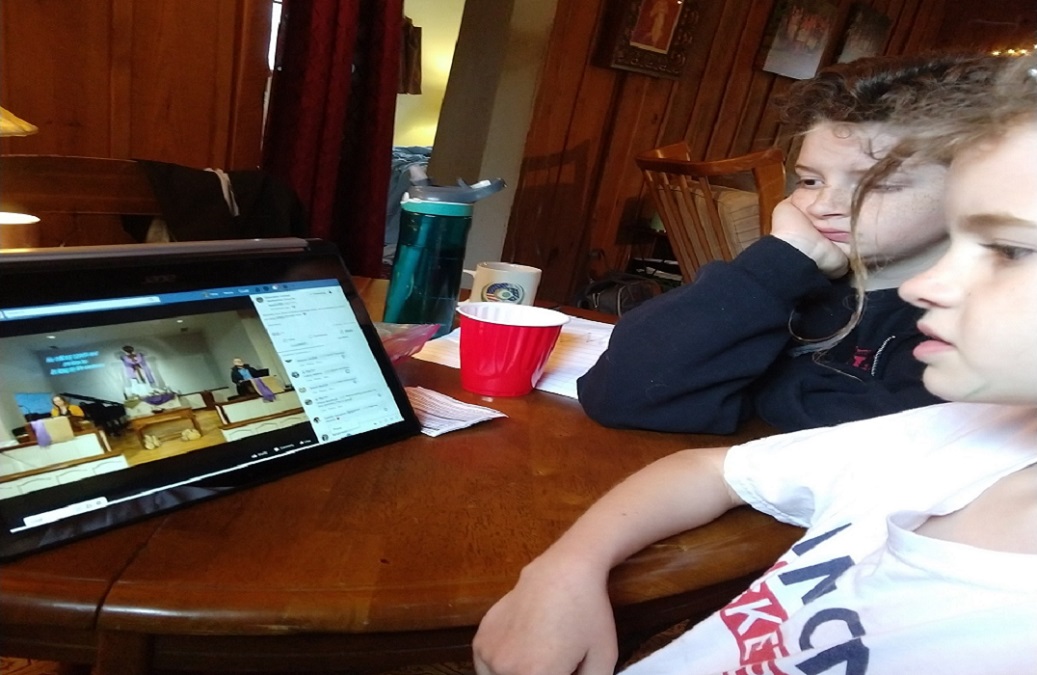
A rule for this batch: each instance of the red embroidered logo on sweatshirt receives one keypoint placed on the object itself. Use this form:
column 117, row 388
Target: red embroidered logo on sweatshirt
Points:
column 863, row 358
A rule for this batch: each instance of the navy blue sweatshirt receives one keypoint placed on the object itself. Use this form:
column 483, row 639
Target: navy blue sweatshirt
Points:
column 704, row 357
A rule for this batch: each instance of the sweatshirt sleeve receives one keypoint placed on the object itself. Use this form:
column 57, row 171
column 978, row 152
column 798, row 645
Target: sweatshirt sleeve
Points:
column 685, row 361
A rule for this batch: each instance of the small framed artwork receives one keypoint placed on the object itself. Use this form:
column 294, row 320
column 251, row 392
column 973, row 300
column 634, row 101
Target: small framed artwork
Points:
column 796, row 37
column 647, row 36
column 867, row 31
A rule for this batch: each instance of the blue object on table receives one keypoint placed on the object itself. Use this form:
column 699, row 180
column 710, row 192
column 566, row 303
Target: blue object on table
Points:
column 426, row 275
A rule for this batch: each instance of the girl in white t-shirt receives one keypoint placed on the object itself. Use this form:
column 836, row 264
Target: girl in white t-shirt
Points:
column 920, row 551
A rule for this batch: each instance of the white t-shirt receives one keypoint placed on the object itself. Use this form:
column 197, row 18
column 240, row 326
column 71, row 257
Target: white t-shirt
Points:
column 861, row 592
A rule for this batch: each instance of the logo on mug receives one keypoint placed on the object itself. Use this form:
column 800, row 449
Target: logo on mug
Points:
column 502, row 291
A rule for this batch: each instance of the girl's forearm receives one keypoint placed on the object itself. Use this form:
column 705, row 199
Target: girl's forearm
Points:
column 671, row 495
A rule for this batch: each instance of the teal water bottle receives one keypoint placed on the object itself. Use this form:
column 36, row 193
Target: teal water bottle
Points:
column 426, row 273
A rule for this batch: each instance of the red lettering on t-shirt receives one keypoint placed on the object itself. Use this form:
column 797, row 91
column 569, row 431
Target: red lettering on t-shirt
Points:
column 753, row 619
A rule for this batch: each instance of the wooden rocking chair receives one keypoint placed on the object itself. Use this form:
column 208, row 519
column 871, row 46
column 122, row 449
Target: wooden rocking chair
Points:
column 704, row 219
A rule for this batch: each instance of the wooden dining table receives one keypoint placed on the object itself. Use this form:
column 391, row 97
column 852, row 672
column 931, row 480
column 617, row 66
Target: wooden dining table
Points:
column 380, row 560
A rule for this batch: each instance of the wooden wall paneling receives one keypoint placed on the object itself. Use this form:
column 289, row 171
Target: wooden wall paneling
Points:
column 251, row 72
column 768, row 128
column 5, row 81
column 633, row 207
column 549, row 213
column 183, row 54
column 56, row 74
column 175, row 80
column 641, row 106
column 669, row 110
column 706, row 112
column 751, row 133
column 563, row 229
column 925, row 27
column 903, row 17
column 683, row 101
column 546, row 139
column 1004, row 24
column 887, row 8
column 121, row 79
column 572, row 33
column 733, row 105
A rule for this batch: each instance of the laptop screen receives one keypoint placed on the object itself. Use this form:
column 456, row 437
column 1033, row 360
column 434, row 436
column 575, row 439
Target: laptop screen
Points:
column 132, row 384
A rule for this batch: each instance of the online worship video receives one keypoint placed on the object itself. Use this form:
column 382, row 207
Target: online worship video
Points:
column 92, row 400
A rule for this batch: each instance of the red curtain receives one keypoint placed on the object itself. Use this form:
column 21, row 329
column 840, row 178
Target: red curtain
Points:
column 330, row 118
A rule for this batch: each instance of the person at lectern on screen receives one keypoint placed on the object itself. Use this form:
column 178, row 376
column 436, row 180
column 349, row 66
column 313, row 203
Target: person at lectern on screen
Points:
column 240, row 370
column 247, row 379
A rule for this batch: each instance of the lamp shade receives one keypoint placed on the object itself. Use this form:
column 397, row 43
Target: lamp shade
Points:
column 12, row 125
column 12, row 236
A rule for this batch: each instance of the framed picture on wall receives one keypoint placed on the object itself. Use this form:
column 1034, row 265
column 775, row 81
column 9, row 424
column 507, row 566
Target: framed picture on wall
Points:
column 867, row 31
column 647, row 36
column 797, row 35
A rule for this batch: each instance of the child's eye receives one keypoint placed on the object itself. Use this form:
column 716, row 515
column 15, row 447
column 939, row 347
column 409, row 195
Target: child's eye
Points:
column 888, row 187
column 808, row 183
column 1009, row 252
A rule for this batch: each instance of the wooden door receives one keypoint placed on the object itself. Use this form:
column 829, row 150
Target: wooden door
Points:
column 180, row 81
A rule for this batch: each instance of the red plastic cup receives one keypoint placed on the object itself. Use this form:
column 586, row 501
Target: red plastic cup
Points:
column 504, row 347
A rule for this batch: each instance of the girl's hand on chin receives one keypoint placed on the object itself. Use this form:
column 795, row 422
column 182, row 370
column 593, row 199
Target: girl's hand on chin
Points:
column 794, row 228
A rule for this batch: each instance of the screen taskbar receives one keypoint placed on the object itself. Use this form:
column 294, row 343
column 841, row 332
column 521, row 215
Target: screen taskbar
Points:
column 133, row 302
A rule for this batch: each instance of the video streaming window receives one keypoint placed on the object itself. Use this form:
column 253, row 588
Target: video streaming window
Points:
column 98, row 387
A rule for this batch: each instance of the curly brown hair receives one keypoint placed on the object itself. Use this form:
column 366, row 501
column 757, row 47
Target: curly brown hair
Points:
column 874, row 89
column 937, row 128
column 944, row 122
column 900, row 91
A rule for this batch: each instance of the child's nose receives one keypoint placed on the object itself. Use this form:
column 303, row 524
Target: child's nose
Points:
column 831, row 202
column 934, row 287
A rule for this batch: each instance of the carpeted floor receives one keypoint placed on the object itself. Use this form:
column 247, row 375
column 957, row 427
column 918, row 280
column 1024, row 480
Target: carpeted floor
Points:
column 13, row 666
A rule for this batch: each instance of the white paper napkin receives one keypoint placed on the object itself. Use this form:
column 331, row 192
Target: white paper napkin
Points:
column 439, row 413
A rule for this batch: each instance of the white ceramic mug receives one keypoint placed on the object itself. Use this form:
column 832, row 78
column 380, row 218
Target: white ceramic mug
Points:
column 504, row 282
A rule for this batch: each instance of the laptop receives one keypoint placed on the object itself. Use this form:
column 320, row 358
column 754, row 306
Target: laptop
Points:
column 132, row 348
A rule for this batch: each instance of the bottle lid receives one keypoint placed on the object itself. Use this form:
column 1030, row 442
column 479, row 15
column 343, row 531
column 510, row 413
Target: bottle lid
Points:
column 462, row 193
column 436, row 208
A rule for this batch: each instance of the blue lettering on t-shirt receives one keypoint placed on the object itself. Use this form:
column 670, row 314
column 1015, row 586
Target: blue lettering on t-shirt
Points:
column 854, row 653
column 807, row 544
column 828, row 572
